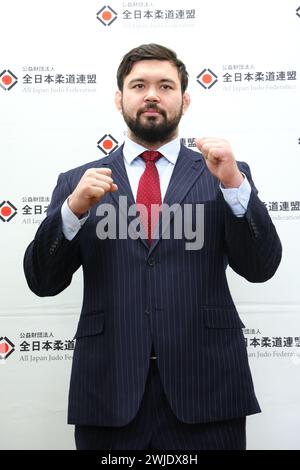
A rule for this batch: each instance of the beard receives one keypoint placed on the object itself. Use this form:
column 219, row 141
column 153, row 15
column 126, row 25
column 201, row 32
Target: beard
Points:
column 152, row 130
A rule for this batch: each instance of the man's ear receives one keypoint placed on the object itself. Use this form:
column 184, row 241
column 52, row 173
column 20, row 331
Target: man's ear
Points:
column 186, row 99
column 118, row 100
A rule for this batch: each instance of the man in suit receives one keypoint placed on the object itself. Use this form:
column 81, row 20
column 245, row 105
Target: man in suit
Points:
column 160, row 360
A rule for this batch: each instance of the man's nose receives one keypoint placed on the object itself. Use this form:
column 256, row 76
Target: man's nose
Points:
column 152, row 95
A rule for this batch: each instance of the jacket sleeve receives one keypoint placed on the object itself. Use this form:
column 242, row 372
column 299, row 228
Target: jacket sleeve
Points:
column 51, row 260
column 253, row 247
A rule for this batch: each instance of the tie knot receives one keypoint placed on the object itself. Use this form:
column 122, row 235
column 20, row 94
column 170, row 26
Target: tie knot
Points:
column 150, row 156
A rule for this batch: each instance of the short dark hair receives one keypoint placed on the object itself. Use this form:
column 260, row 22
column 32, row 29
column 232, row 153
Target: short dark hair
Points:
column 150, row 52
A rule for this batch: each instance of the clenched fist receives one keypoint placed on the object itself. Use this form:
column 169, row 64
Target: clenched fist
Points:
column 94, row 184
column 220, row 161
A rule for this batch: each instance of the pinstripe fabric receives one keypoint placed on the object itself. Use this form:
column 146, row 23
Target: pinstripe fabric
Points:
column 177, row 299
column 155, row 427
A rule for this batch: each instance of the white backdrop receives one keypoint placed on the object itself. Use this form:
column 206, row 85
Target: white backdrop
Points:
column 57, row 82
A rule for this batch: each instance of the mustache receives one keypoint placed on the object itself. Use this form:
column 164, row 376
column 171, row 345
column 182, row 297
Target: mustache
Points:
column 153, row 106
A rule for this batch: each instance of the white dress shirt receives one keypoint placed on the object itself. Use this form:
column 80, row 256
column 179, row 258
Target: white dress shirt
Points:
column 236, row 198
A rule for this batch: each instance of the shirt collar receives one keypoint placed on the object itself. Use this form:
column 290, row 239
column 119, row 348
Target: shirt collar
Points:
column 170, row 150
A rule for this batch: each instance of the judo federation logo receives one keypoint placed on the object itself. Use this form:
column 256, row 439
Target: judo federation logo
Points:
column 7, row 211
column 6, row 348
column 207, row 78
column 107, row 144
column 7, row 80
column 106, row 15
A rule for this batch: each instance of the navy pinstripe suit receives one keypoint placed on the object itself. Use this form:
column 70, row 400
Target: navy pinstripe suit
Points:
column 176, row 299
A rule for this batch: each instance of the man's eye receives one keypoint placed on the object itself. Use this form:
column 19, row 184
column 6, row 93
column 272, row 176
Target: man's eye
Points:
column 166, row 87
column 138, row 85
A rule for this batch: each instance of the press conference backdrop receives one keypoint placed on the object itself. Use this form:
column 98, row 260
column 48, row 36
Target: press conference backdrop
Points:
column 57, row 83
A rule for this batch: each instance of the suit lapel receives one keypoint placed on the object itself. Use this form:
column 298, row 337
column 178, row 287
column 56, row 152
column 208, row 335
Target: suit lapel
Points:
column 119, row 174
column 116, row 163
column 188, row 169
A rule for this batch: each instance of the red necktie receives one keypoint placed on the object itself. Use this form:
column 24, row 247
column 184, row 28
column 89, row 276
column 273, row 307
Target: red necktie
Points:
column 149, row 192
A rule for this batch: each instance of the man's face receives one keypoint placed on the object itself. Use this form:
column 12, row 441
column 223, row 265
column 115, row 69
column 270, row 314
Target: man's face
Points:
column 152, row 102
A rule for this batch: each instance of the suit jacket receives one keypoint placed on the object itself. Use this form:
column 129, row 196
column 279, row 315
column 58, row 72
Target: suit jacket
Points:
column 178, row 300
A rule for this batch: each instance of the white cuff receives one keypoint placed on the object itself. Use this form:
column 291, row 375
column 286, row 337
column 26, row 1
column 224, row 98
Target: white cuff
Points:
column 70, row 222
column 238, row 198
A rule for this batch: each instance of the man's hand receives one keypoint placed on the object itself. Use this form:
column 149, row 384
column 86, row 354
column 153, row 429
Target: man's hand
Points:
column 220, row 161
column 94, row 184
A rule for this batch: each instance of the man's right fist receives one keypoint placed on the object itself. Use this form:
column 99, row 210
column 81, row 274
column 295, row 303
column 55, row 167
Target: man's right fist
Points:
column 94, row 184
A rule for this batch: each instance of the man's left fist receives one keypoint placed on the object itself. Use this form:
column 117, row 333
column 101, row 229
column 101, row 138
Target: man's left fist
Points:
column 220, row 161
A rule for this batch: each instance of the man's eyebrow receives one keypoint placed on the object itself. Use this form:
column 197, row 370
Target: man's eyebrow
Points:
column 168, row 80
column 134, row 80
column 142, row 80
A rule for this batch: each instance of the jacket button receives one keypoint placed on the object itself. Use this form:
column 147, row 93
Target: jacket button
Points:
column 151, row 262
column 147, row 311
column 254, row 228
